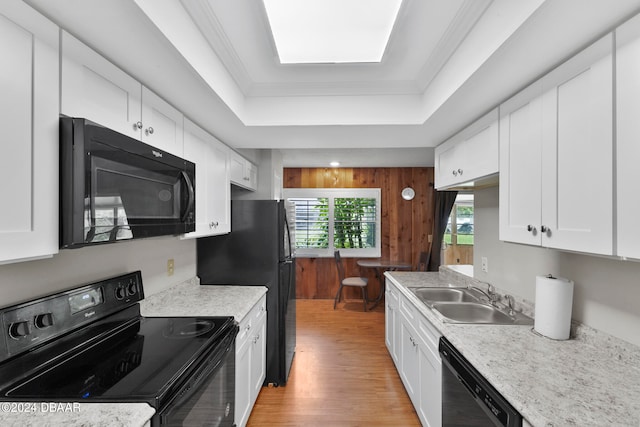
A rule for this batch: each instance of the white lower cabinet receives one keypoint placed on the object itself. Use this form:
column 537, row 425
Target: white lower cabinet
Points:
column 412, row 342
column 392, row 322
column 29, row 120
column 251, row 362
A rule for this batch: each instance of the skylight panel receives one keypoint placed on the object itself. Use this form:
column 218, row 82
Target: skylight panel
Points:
column 331, row 31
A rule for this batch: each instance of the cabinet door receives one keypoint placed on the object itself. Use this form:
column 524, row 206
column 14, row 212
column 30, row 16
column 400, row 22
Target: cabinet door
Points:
column 251, row 173
column 213, row 205
column 520, row 170
column 469, row 155
column 29, row 121
column 446, row 165
column 430, row 367
column 577, row 152
column 259, row 357
column 409, row 361
column 95, row 89
column 162, row 125
column 480, row 153
column 243, row 382
column 219, row 189
column 242, row 172
column 236, row 168
column 391, row 330
column 628, row 135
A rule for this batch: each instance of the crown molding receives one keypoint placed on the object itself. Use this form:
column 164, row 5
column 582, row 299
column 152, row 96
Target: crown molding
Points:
column 466, row 18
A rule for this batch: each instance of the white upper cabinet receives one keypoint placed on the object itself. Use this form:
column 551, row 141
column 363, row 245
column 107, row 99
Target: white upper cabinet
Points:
column 520, row 171
column 94, row 88
column 29, row 84
column 628, row 137
column 213, row 207
column 468, row 156
column 162, row 125
column 243, row 172
column 556, row 157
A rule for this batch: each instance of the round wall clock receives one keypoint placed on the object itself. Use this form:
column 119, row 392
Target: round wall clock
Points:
column 408, row 193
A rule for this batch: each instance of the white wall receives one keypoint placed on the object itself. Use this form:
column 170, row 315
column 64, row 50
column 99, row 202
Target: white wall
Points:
column 607, row 291
column 73, row 267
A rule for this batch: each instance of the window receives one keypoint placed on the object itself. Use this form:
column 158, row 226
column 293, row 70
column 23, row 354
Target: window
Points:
column 459, row 235
column 326, row 219
column 460, row 226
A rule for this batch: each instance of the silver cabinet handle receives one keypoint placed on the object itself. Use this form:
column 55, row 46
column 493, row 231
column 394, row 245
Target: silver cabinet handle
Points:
column 149, row 131
column 543, row 228
column 455, row 173
column 531, row 228
column 137, row 125
column 459, row 171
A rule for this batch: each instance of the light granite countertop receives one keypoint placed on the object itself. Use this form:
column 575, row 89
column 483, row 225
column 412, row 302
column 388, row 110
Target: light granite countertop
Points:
column 191, row 299
column 45, row 414
column 184, row 299
column 592, row 379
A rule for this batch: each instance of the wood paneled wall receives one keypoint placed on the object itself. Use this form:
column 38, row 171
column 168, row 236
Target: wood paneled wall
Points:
column 406, row 225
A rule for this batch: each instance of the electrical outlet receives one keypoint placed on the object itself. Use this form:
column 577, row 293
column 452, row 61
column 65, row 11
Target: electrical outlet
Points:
column 170, row 267
column 485, row 264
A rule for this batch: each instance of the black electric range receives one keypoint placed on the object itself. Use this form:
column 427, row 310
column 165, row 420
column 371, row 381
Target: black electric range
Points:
column 91, row 344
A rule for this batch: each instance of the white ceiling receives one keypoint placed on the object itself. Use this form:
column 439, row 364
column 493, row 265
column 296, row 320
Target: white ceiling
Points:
column 447, row 63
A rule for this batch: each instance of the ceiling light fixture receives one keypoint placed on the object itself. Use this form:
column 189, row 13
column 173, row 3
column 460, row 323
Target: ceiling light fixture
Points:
column 331, row 31
column 334, row 164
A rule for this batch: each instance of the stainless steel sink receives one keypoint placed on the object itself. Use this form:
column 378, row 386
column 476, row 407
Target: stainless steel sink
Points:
column 464, row 305
column 431, row 295
column 470, row 312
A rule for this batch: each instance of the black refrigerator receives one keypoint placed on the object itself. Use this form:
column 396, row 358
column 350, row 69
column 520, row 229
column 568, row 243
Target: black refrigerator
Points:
column 259, row 252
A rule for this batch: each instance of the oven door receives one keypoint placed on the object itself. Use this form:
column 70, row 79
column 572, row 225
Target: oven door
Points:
column 207, row 396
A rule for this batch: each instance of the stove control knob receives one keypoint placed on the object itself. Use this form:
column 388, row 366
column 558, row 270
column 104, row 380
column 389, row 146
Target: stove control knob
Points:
column 120, row 292
column 131, row 288
column 19, row 329
column 43, row 320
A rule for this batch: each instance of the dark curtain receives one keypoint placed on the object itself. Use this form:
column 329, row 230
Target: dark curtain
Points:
column 444, row 201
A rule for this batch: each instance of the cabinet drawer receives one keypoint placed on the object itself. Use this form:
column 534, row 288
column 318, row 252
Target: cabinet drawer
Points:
column 251, row 321
column 408, row 310
column 428, row 334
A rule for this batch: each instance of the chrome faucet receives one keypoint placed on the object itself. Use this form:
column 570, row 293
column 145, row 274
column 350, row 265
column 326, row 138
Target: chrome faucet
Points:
column 492, row 297
column 512, row 304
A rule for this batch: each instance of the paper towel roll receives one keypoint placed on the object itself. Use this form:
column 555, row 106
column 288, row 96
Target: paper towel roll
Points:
column 554, row 300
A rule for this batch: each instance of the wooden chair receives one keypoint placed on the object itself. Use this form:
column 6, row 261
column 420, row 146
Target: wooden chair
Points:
column 423, row 261
column 360, row 282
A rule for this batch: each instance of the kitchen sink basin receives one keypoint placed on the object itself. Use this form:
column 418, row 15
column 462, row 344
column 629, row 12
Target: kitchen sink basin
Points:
column 464, row 305
column 475, row 312
column 431, row 295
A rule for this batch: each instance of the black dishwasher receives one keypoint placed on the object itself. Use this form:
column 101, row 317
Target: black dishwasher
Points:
column 467, row 398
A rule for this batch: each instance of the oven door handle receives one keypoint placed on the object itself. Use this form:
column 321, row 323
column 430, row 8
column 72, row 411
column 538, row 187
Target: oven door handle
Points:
column 187, row 180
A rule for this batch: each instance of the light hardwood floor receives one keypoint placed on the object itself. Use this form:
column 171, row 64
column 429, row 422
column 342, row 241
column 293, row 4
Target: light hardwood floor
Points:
column 342, row 373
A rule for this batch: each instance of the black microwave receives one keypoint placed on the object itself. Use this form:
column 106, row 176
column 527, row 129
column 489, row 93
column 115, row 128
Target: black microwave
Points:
column 114, row 188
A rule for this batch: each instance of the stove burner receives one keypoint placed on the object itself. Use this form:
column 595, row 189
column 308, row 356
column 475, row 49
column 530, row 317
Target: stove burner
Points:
column 188, row 330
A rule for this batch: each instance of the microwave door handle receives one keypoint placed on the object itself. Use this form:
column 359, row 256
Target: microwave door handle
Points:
column 187, row 180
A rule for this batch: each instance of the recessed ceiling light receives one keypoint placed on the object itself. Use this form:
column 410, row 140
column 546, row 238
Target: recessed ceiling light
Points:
column 334, row 164
column 331, row 31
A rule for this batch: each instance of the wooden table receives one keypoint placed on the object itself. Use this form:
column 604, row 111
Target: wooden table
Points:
column 380, row 266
